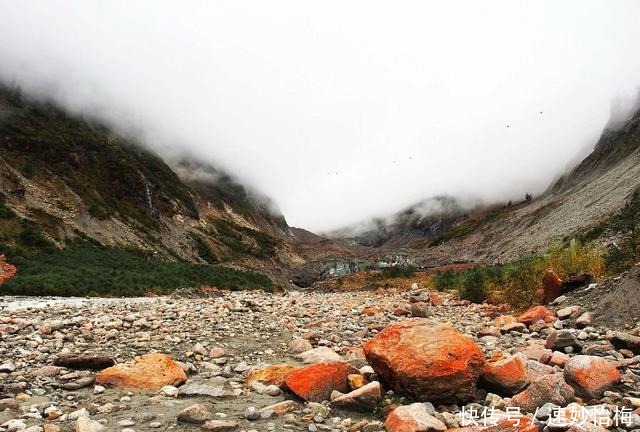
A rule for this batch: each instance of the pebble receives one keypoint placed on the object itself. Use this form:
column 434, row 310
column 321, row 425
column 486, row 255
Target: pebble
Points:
column 251, row 413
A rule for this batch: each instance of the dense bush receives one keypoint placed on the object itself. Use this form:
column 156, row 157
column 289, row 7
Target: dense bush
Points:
column 447, row 279
column 89, row 270
column 521, row 279
column 473, row 285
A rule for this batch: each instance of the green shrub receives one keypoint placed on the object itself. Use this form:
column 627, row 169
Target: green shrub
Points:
column 473, row 285
column 398, row 271
column 521, row 279
column 447, row 279
column 86, row 269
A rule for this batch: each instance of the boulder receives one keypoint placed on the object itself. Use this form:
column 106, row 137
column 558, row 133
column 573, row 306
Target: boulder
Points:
column 281, row 407
column 150, row 371
column 196, row 413
column 535, row 314
column 435, row 298
column 584, row 320
column 316, row 382
column 84, row 361
column 420, row 309
column 506, row 375
column 514, row 326
column 558, row 359
column 427, row 361
column 548, row 388
column 85, row 424
column 502, row 320
column 319, row 355
column 569, row 312
column 551, row 286
column 216, row 352
column 625, row 340
column 561, row 339
column 590, row 376
column 413, row 418
column 365, row 398
column 299, row 345
column 269, row 375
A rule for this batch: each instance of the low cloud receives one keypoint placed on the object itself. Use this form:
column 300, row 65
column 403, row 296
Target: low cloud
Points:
column 338, row 111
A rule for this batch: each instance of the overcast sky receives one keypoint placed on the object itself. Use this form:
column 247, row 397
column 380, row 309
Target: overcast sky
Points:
column 342, row 110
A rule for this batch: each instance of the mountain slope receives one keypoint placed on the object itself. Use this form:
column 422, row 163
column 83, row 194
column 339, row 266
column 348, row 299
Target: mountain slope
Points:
column 65, row 179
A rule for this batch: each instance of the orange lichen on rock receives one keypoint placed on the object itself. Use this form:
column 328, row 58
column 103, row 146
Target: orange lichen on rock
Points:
column 270, row 374
column 150, row 371
column 316, row 382
column 590, row 376
column 506, row 375
column 425, row 360
column 535, row 314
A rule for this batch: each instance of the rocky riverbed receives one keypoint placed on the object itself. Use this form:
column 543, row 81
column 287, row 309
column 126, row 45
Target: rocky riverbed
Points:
column 307, row 361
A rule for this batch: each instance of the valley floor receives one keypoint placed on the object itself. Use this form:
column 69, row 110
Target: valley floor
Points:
column 220, row 340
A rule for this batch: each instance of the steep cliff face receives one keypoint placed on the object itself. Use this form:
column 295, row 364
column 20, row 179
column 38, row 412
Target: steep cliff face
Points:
column 65, row 179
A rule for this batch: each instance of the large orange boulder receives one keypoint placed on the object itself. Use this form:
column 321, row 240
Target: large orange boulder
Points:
column 316, row 382
column 506, row 375
column 150, row 371
column 535, row 314
column 551, row 286
column 590, row 376
column 427, row 361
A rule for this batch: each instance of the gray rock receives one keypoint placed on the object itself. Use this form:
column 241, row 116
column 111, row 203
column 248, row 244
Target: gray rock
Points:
column 251, row 413
column 561, row 339
column 221, row 390
column 196, row 413
column 365, row 398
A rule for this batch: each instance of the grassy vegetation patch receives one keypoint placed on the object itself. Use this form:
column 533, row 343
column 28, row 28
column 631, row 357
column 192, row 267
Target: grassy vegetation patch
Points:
column 89, row 270
column 517, row 282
